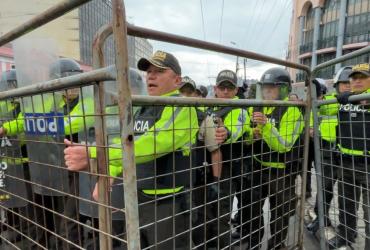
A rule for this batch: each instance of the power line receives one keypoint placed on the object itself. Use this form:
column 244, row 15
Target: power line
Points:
column 204, row 34
column 250, row 21
column 266, row 21
column 287, row 3
column 257, row 17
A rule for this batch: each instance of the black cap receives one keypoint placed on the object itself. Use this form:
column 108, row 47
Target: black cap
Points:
column 187, row 81
column 227, row 76
column 202, row 90
column 363, row 68
column 162, row 60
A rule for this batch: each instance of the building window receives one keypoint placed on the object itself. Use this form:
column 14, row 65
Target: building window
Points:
column 308, row 32
column 360, row 59
column 357, row 22
column 329, row 24
column 328, row 72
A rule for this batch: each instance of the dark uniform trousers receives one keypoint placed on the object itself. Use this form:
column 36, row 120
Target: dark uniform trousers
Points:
column 164, row 221
column 213, row 217
column 354, row 179
column 279, row 186
column 213, row 207
column 329, row 170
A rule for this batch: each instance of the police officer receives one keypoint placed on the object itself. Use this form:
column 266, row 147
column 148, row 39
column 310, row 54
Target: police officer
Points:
column 164, row 135
column 353, row 142
column 226, row 160
column 89, row 213
column 327, row 127
column 187, row 87
column 276, row 151
column 201, row 91
column 14, row 169
column 69, row 111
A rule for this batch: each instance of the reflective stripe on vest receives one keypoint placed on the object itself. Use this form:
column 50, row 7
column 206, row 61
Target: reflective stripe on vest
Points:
column 162, row 191
column 352, row 151
column 270, row 164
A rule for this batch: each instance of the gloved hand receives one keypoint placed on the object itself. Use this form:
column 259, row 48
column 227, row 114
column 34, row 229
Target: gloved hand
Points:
column 343, row 98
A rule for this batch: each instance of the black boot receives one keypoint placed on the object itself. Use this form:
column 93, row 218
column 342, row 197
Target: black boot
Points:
column 236, row 233
column 313, row 227
column 338, row 242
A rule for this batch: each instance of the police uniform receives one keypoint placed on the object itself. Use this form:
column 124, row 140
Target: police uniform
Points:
column 354, row 146
column 163, row 139
column 275, row 167
column 68, row 120
column 216, row 227
column 327, row 128
column 15, row 191
column 328, row 122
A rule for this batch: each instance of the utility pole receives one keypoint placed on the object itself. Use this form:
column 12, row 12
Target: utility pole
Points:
column 245, row 69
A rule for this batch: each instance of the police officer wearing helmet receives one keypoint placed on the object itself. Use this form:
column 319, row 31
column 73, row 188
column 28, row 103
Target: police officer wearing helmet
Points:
column 69, row 111
column 276, row 152
column 354, row 147
column 164, row 135
column 14, row 169
column 328, row 122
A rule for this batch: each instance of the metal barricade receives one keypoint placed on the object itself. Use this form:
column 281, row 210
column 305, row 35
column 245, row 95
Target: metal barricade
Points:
column 97, row 208
column 342, row 177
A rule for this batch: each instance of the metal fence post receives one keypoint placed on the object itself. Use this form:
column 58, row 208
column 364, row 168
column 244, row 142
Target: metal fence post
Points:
column 105, row 215
column 318, row 167
column 126, row 122
column 305, row 163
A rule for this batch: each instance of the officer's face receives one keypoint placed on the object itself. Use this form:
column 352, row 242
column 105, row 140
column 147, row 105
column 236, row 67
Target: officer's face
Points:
column 161, row 81
column 360, row 83
column 270, row 92
column 225, row 90
column 71, row 94
column 344, row 87
column 187, row 91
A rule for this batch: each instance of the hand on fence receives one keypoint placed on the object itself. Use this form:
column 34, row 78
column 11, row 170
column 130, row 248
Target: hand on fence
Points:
column 221, row 134
column 259, row 118
column 75, row 156
column 343, row 98
column 95, row 193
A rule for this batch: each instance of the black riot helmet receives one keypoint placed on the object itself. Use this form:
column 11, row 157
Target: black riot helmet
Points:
column 8, row 80
column 137, row 84
column 320, row 85
column 277, row 77
column 64, row 67
column 342, row 76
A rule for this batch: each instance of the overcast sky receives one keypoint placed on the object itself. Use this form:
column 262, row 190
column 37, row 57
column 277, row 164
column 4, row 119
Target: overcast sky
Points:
column 256, row 25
